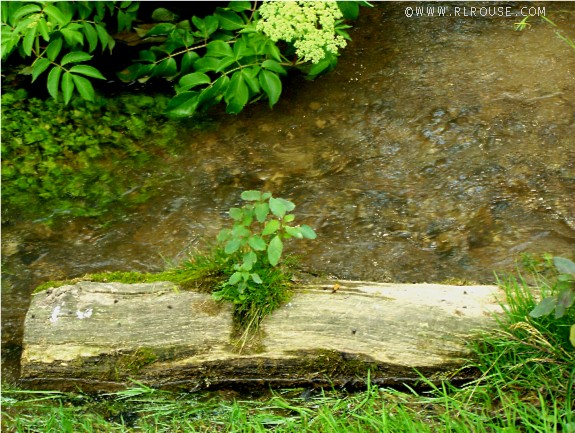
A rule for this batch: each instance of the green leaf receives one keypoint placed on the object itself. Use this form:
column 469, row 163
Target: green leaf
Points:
column 237, row 94
column 72, row 37
column 257, row 243
column 23, row 11
column 275, row 249
column 91, row 35
column 249, row 259
column 272, row 65
column 250, row 77
column 262, row 210
column 105, row 39
column 74, row 57
column 28, row 41
column 192, row 80
column 572, row 335
column 84, row 87
column 212, row 94
column 280, row 206
column 212, row 24
column 323, row 66
column 67, row 87
column 183, row 104
column 544, row 307
column 39, row 66
column 241, row 231
column 564, row 266
column 219, row 49
column 277, row 207
column 187, row 61
column 229, row 20
column 235, row 278
column 53, row 82
column 271, row 227
column 294, row 231
column 88, row 71
column 236, row 213
column 224, row 63
column 240, row 6
column 565, row 300
column 307, row 232
column 161, row 29
column 232, row 246
column 168, row 68
column 206, row 26
column 54, row 48
column 57, row 15
column 43, row 29
column 66, row 9
column 271, row 84
column 206, row 64
column 350, row 9
column 272, row 50
column 251, row 195
column 85, row 9
column 256, row 278
column 148, row 56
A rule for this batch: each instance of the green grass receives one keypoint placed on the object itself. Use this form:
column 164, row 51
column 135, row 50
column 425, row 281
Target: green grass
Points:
column 526, row 384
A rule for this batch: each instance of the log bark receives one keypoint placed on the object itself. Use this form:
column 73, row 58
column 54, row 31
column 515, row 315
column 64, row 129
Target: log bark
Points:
column 101, row 336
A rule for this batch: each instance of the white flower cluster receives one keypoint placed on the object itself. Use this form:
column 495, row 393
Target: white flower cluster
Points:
column 310, row 25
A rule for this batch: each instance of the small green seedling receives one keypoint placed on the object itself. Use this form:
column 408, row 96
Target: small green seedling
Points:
column 256, row 241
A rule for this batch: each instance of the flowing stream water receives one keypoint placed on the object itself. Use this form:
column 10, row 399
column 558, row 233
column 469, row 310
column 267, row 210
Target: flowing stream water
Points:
column 440, row 148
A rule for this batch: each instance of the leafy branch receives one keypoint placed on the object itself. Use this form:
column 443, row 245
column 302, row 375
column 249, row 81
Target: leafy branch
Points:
column 226, row 56
column 55, row 34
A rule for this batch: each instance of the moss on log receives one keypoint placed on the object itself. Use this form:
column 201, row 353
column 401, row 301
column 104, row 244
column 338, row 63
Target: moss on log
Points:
column 100, row 336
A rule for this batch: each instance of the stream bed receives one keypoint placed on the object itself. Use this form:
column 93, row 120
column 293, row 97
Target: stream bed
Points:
column 440, row 148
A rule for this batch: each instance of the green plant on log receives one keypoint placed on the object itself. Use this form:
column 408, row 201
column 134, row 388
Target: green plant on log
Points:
column 255, row 246
column 564, row 294
column 236, row 55
column 60, row 37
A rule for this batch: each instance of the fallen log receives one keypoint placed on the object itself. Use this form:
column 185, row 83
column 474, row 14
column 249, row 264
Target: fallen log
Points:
column 103, row 336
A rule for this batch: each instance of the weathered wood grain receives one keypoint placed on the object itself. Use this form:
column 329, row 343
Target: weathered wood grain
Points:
column 100, row 336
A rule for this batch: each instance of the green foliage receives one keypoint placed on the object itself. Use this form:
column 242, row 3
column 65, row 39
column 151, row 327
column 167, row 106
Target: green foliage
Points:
column 564, row 293
column 58, row 159
column 59, row 37
column 222, row 57
column 255, row 246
